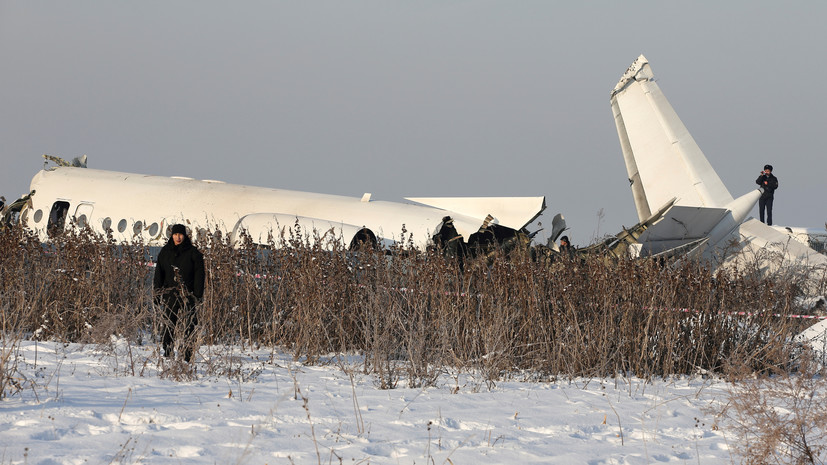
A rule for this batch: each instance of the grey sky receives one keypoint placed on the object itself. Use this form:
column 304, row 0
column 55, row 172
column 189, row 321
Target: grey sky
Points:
column 426, row 98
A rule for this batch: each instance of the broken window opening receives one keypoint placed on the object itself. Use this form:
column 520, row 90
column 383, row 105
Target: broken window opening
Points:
column 16, row 211
column 57, row 218
column 364, row 237
column 83, row 215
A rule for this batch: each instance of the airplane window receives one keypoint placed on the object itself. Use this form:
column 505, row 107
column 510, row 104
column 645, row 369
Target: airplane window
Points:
column 153, row 229
column 122, row 226
column 81, row 221
column 38, row 215
column 137, row 228
column 107, row 223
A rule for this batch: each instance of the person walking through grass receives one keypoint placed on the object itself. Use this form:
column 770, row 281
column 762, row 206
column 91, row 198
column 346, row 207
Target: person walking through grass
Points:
column 179, row 286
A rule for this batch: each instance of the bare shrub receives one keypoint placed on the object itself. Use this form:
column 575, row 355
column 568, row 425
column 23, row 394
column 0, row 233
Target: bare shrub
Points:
column 16, row 273
column 410, row 313
column 779, row 418
column 65, row 288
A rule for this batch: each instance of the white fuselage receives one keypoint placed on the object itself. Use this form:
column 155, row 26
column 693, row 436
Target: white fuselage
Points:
column 142, row 207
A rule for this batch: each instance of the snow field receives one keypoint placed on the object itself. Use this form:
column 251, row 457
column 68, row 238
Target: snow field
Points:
column 81, row 404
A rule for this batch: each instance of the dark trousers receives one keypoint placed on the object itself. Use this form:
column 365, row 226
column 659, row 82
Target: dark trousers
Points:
column 179, row 317
column 765, row 203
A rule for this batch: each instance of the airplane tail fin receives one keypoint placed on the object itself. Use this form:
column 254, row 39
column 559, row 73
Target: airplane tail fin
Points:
column 662, row 159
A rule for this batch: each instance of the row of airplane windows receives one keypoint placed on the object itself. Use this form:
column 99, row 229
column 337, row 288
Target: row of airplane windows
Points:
column 57, row 219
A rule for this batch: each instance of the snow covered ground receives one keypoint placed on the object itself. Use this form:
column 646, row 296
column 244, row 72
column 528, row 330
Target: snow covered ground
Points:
column 83, row 404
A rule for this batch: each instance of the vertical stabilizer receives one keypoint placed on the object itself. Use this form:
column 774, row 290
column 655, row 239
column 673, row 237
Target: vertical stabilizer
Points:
column 662, row 159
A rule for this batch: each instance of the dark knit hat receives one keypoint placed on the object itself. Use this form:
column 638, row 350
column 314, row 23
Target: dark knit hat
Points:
column 178, row 229
column 564, row 238
column 768, row 167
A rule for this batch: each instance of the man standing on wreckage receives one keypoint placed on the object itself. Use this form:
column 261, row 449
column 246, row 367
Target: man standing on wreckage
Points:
column 179, row 287
column 769, row 183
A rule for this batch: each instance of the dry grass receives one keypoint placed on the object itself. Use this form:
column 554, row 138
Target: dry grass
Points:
column 778, row 418
column 409, row 313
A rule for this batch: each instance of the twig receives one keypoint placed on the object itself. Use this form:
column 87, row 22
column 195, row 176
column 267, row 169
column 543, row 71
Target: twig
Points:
column 619, row 426
column 128, row 395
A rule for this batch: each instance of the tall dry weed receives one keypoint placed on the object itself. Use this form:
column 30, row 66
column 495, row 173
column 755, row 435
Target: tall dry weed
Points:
column 410, row 313
column 778, row 418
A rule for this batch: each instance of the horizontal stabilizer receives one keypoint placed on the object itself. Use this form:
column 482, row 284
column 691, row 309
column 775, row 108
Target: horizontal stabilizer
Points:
column 512, row 212
column 678, row 226
column 690, row 249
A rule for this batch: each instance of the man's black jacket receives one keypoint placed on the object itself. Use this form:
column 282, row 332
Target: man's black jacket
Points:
column 769, row 187
column 189, row 263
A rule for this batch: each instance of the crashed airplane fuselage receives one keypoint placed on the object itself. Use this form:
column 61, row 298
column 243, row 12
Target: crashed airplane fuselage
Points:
column 138, row 207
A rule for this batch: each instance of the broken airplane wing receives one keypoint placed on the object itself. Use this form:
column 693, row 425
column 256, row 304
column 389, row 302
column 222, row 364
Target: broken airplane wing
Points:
column 510, row 212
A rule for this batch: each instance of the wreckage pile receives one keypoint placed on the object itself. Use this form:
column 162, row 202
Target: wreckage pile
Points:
column 410, row 313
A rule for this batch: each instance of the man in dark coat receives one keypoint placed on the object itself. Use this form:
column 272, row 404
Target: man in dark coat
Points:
column 566, row 249
column 179, row 286
column 769, row 184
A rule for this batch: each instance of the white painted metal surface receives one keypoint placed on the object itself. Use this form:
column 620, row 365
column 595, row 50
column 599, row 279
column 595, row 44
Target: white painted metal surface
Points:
column 664, row 163
column 506, row 211
column 815, row 238
column 662, row 158
column 143, row 206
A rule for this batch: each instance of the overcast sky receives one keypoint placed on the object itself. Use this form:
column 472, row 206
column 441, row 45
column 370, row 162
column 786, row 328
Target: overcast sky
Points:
column 465, row 98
